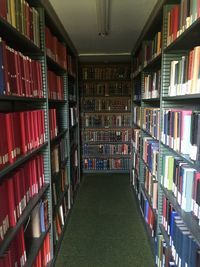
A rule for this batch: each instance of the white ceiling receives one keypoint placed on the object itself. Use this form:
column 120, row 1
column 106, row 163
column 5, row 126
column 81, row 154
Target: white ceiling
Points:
column 80, row 21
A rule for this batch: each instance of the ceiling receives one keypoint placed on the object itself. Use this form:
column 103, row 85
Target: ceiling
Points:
column 127, row 19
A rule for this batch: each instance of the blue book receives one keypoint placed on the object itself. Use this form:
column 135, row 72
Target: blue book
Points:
column 2, row 77
column 42, row 222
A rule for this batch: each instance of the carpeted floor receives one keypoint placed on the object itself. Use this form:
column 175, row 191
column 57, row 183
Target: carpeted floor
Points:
column 105, row 228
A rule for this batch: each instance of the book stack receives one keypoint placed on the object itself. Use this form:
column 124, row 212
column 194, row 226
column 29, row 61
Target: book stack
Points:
column 151, row 121
column 16, row 253
column 163, row 253
column 184, row 74
column 105, row 72
column 55, row 159
column 150, row 154
column 22, row 17
column 137, row 90
column 107, row 120
column 135, row 171
column 59, row 186
column 148, row 213
column 136, row 139
column 184, row 182
column 106, row 104
column 180, row 17
column 106, row 135
column 60, row 218
column 17, row 190
column 152, row 48
column 55, row 49
column 106, row 149
column 55, row 86
column 137, row 116
column 151, row 187
column 183, row 245
column 152, row 85
column 105, row 164
column 138, row 61
column 73, row 116
column 53, row 123
column 44, row 255
column 21, row 132
column 19, row 74
column 173, row 133
column 71, row 65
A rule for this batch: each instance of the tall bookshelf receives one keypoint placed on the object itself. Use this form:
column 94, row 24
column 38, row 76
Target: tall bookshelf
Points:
column 39, row 149
column 165, row 163
column 105, row 117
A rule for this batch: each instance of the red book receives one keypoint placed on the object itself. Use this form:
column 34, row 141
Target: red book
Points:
column 175, row 21
column 10, row 190
column 22, row 71
column 9, row 133
column 3, row 9
column 1, row 213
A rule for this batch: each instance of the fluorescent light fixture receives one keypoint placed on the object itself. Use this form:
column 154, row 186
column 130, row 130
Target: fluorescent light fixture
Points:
column 103, row 16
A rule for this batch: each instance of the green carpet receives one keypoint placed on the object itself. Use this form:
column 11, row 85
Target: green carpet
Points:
column 105, row 228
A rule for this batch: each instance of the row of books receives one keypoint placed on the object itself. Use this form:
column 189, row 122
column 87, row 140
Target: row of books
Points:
column 22, row 17
column 55, row 86
column 55, row 49
column 19, row 74
column 138, row 61
column 44, row 256
column 106, row 135
column 71, row 65
column 105, row 164
column 73, row 118
column 152, row 85
column 106, row 104
column 16, row 254
column 152, row 48
column 151, row 121
column 150, row 154
column 174, row 135
column 120, row 88
column 59, row 219
column 21, row 132
column 58, row 155
column 105, row 72
column 72, row 91
column 106, row 120
column 163, row 253
column 184, row 74
column 151, row 187
column 184, row 182
column 180, row 17
column 135, row 162
column 135, row 181
column 184, row 247
column 148, row 213
column 59, row 185
column 17, row 190
column 53, row 123
column 136, row 139
column 137, row 116
column 137, row 89
column 106, row 149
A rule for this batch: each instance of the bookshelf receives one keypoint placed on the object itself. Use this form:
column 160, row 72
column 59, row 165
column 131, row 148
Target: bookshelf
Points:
column 35, row 95
column 165, row 162
column 105, row 117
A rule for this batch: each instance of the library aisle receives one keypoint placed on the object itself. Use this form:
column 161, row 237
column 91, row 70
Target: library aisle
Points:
column 105, row 228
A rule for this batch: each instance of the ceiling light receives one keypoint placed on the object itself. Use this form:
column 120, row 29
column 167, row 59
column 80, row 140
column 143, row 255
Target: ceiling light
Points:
column 103, row 16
